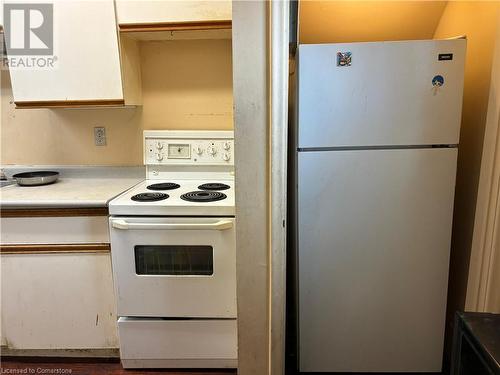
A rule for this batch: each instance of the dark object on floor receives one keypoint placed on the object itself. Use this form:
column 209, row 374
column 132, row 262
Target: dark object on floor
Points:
column 476, row 344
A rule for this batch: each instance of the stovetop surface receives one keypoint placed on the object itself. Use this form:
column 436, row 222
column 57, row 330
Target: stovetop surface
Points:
column 176, row 204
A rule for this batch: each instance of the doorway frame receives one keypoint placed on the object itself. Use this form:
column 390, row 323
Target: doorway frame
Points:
column 260, row 94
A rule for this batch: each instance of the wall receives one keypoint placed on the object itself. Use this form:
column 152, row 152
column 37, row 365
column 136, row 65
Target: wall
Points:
column 483, row 286
column 186, row 85
column 356, row 21
column 193, row 90
column 478, row 20
column 251, row 117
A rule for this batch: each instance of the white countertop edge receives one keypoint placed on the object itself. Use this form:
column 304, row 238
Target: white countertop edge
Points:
column 115, row 181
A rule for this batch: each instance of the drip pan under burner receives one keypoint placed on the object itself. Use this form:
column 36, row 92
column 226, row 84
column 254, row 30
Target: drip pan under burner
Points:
column 149, row 197
column 203, row 196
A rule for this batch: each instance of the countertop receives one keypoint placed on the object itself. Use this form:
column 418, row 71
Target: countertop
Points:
column 82, row 187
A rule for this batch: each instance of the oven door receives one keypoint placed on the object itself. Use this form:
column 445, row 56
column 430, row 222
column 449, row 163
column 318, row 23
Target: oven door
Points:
column 174, row 267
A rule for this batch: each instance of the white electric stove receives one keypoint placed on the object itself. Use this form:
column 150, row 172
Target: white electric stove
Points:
column 174, row 254
column 178, row 197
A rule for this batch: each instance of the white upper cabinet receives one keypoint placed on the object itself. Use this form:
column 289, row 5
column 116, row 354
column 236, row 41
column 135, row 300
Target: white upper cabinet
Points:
column 148, row 12
column 86, row 69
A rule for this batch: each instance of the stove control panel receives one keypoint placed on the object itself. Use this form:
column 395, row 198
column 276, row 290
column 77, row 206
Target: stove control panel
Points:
column 161, row 149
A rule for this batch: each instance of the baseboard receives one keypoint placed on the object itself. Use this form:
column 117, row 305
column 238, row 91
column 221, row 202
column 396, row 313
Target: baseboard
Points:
column 63, row 355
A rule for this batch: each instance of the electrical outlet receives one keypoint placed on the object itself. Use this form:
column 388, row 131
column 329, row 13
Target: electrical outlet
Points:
column 100, row 136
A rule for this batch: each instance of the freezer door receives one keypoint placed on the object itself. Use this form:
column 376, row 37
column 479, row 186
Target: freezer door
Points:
column 389, row 95
column 374, row 244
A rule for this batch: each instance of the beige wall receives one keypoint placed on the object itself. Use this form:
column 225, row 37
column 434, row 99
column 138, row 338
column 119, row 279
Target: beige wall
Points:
column 492, row 300
column 478, row 20
column 186, row 85
column 483, row 287
column 361, row 21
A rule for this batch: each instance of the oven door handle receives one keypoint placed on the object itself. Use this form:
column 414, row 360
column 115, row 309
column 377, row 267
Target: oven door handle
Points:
column 219, row 225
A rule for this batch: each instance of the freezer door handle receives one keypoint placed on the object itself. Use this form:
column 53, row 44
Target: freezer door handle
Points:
column 219, row 225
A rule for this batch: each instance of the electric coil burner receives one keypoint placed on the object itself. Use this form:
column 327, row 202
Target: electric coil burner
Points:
column 213, row 186
column 203, row 196
column 164, row 186
column 149, row 197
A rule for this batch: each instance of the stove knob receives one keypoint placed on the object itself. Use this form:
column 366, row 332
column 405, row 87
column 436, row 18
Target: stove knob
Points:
column 212, row 150
column 159, row 157
column 159, row 145
column 227, row 146
column 226, row 156
column 198, row 150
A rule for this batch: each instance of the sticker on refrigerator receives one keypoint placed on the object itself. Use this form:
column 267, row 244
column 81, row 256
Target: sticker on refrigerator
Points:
column 438, row 81
column 344, row 58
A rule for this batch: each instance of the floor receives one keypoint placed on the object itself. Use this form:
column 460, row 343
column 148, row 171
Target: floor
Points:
column 79, row 368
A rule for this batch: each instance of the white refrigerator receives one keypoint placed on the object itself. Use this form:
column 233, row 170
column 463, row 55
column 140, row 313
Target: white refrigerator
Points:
column 376, row 141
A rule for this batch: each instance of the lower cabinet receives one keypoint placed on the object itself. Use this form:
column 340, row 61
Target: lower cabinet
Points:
column 56, row 283
column 58, row 301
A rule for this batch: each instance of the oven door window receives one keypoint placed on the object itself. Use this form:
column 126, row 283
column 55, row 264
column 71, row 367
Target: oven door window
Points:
column 174, row 260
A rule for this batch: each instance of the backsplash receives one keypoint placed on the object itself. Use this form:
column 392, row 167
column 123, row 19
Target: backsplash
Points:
column 186, row 85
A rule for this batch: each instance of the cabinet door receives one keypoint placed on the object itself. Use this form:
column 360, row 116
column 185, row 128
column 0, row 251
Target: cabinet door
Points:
column 58, row 301
column 87, row 65
column 151, row 11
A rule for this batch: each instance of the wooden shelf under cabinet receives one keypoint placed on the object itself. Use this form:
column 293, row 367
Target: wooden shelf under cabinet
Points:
column 178, row 30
